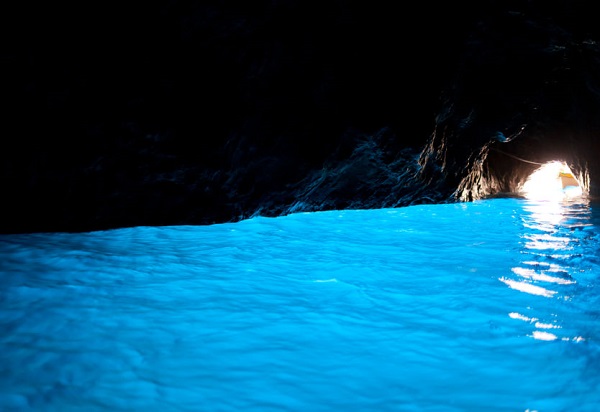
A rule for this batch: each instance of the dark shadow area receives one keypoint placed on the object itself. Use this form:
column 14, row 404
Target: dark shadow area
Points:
column 182, row 112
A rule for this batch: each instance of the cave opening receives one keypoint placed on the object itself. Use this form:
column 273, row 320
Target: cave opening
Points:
column 553, row 180
column 549, row 172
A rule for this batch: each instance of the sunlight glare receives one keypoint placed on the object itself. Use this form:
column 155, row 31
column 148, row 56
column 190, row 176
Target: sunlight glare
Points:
column 552, row 181
column 528, row 288
column 540, row 335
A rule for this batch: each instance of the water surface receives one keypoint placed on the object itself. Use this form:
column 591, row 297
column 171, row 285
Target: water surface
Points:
column 492, row 305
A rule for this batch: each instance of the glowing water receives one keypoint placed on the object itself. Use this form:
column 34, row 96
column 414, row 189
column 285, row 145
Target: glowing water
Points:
column 484, row 306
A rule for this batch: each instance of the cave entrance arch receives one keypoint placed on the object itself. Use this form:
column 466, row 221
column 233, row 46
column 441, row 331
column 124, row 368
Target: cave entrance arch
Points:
column 553, row 180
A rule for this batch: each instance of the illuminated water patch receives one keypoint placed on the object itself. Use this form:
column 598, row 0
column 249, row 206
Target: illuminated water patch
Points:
column 481, row 306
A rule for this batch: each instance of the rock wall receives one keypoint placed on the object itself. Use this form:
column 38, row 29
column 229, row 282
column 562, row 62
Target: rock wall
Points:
column 182, row 112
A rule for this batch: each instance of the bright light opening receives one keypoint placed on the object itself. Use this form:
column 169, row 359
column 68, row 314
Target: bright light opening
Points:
column 552, row 181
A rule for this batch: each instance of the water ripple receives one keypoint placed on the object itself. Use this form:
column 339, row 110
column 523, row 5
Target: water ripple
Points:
column 556, row 234
column 489, row 305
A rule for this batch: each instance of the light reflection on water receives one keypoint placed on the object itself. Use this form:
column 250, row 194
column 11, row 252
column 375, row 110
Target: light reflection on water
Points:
column 553, row 240
column 368, row 310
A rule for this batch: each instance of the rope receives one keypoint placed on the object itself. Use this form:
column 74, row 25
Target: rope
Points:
column 516, row 157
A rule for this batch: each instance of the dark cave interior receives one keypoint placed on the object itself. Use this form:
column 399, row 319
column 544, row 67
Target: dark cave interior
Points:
column 182, row 112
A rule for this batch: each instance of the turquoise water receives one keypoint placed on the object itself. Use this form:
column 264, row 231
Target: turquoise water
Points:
column 486, row 306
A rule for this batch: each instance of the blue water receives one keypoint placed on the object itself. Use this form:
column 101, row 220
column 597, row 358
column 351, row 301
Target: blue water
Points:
column 486, row 306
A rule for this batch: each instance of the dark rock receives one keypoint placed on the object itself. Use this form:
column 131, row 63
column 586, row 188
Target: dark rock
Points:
column 181, row 112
